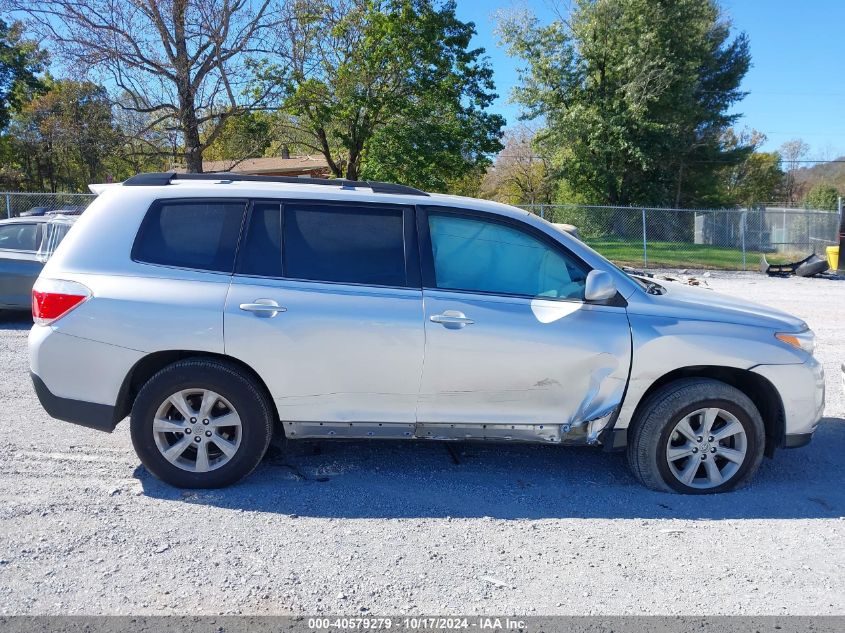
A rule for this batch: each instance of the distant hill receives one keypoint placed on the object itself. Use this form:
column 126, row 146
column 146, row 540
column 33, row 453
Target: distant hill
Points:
column 828, row 173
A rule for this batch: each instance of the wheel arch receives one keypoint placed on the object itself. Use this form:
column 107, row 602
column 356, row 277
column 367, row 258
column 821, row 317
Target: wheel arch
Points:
column 154, row 362
column 759, row 390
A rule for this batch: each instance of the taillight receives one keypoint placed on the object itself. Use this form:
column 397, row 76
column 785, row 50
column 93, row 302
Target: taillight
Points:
column 54, row 298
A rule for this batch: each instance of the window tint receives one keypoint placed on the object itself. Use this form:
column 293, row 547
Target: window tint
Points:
column 18, row 237
column 351, row 244
column 191, row 234
column 261, row 249
column 477, row 255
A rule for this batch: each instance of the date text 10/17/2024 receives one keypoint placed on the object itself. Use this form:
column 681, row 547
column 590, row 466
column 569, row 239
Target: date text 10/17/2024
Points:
column 420, row 623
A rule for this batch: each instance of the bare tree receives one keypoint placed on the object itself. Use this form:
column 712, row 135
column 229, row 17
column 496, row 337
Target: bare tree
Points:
column 520, row 175
column 792, row 152
column 187, row 64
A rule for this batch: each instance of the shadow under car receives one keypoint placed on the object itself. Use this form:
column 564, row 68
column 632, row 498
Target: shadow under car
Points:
column 395, row 479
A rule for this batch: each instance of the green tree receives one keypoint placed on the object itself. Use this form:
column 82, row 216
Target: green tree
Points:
column 434, row 146
column 756, row 179
column 247, row 135
column 66, row 138
column 822, row 196
column 390, row 89
column 20, row 63
column 759, row 180
column 636, row 95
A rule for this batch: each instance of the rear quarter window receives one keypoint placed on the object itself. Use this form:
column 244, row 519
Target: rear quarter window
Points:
column 197, row 234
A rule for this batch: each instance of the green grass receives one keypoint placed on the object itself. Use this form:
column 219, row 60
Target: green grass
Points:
column 674, row 255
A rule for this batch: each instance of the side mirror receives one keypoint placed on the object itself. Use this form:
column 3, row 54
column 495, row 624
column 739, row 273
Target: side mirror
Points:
column 599, row 286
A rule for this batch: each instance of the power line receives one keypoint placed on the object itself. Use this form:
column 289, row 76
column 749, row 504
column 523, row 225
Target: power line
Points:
column 715, row 162
column 798, row 93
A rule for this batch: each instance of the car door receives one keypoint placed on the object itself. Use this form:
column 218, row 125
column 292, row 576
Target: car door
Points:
column 509, row 338
column 19, row 263
column 326, row 306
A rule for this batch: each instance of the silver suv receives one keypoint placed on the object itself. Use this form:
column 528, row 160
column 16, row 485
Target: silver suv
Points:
column 215, row 310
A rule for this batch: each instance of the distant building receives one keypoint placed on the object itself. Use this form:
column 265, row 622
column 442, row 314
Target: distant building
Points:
column 313, row 166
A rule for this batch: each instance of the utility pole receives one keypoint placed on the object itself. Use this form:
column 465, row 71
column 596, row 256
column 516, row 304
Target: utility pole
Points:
column 841, row 269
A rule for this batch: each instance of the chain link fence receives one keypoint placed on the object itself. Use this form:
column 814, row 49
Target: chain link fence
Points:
column 13, row 204
column 729, row 239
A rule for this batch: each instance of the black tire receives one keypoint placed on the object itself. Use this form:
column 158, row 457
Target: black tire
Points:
column 246, row 397
column 652, row 432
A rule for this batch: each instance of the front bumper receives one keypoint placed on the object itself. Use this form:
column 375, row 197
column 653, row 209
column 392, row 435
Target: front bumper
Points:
column 801, row 388
column 797, row 440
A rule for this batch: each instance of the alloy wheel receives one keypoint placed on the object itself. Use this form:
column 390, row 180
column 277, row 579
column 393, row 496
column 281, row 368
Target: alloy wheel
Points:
column 706, row 448
column 197, row 430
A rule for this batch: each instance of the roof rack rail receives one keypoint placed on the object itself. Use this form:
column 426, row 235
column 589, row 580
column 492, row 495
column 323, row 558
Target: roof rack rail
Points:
column 157, row 179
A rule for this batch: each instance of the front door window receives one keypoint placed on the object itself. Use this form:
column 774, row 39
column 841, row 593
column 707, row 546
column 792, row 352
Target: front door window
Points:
column 483, row 256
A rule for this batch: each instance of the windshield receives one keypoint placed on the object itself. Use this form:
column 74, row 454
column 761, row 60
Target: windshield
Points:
column 641, row 281
column 639, row 277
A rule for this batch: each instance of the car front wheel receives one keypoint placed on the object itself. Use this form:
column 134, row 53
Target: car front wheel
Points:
column 696, row 436
column 201, row 423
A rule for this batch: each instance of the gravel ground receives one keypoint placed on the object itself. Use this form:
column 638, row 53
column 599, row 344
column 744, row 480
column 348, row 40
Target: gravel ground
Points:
column 390, row 528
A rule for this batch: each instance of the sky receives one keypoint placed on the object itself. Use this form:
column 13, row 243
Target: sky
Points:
column 796, row 84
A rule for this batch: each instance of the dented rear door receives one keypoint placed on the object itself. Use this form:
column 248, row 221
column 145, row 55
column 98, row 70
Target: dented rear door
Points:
column 498, row 358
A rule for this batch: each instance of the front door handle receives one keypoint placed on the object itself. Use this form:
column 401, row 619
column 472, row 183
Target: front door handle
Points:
column 263, row 308
column 451, row 319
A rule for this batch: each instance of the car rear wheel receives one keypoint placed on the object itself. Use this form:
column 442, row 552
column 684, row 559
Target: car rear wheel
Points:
column 696, row 436
column 201, row 423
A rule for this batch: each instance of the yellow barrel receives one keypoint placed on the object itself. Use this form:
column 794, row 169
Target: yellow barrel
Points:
column 833, row 257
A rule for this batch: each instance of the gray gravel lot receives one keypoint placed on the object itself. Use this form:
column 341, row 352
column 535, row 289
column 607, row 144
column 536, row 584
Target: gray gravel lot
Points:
column 389, row 528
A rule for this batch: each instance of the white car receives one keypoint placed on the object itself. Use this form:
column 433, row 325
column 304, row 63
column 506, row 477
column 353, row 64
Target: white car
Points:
column 215, row 308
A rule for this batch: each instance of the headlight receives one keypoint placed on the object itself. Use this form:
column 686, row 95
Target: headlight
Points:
column 805, row 340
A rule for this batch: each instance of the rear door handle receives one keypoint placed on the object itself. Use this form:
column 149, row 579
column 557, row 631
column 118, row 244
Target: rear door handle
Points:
column 451, row 319
column 263, row 308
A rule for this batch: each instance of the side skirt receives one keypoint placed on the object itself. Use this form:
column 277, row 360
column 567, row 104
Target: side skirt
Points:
column 349, row 430
column 580, row 433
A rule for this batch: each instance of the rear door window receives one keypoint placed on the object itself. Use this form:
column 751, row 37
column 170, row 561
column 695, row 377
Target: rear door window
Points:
column 197, row 234
column 356, row 244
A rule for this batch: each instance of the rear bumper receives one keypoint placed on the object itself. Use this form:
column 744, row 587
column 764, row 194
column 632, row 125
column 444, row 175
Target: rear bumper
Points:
column 90, row 414
column 76, row 379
